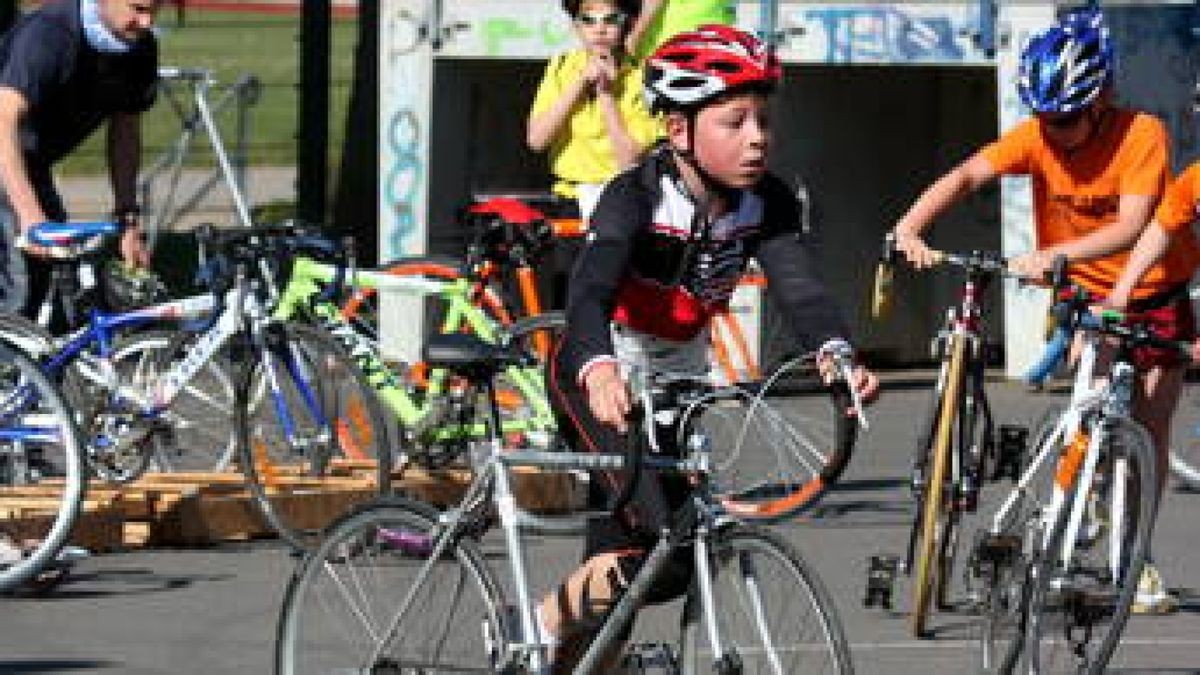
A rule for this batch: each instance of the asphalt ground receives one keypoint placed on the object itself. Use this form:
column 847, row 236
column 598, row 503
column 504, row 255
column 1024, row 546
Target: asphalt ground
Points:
column 214, row 610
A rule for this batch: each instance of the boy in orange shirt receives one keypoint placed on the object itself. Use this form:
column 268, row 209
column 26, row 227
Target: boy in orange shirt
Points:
column 1097, row 171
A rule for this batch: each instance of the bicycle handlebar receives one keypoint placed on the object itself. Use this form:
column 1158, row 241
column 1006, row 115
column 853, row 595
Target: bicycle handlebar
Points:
column 248, row 245
column 1072, row 312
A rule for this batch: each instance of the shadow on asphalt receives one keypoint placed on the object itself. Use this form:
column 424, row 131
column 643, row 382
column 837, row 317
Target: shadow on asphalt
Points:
column 55, row 666
column 122, row 582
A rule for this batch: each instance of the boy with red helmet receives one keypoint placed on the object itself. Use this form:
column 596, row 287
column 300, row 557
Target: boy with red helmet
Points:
column 668, row 240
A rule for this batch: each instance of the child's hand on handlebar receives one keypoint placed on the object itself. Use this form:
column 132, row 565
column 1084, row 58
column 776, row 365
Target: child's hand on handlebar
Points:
column 608, row 397
column 915, row 251
column 1033, row 265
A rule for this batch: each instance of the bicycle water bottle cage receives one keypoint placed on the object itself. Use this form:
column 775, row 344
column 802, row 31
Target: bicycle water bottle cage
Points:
column 69, row 240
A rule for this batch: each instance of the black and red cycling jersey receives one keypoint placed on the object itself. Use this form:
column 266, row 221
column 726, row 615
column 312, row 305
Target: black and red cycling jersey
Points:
column 650, row 264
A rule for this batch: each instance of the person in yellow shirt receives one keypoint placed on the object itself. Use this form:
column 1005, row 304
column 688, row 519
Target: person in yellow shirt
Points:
column 588, row 113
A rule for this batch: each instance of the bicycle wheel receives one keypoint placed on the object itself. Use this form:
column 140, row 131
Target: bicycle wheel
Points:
column 39, row 447
column 194, row 434
column 290, row 421
column 935, row 510
column 776, row 454
column 370, row 599
column 1076, row 615
column 1185, row 441
column 1004, row 556
column 525, row 411
column 773, row 613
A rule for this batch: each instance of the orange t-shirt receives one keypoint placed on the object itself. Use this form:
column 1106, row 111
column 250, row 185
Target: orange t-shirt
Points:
column 1180, row 205
column 1076, row 193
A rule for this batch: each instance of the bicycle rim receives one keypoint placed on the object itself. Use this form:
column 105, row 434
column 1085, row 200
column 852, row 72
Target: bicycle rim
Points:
column 934, row 509
column 773, row 613
column 340, row 612
column 1090, row 601
column 39, row 445
column 776, row 455
column 272, row 459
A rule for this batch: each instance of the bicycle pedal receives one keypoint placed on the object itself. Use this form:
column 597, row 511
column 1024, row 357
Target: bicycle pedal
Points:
column 998, row 549
column 881, row 581
column 1010, row 452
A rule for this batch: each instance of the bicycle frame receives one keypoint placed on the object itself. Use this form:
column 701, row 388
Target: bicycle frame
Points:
column 492, row 485
column 239, row 306
column 1087, row 397
column 305, row 283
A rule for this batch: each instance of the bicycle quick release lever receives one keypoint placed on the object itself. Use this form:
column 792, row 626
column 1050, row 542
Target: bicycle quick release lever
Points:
column 843, row 359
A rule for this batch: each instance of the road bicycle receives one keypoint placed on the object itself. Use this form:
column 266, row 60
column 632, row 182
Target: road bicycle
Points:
column 427, row 403
column 399, row 587
column 41, row 462
column 957, row 432
column 290, row 381
column 1061, row 556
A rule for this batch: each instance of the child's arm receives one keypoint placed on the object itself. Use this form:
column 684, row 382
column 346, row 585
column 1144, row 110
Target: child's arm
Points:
column 543, row 126
column 649, row 12
column 941, row 195
column 626, row 149
column 1150, row 248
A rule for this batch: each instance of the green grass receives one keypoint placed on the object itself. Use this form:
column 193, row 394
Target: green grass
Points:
column 233, row 44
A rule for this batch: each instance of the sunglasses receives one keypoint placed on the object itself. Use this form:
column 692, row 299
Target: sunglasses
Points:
column 609, row 19
column 1066, row 121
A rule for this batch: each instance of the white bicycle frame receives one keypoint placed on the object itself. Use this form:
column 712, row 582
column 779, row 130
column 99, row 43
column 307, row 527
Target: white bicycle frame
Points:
column 1087, row 396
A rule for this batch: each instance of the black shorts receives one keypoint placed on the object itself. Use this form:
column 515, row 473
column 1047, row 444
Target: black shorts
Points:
column 655, row 500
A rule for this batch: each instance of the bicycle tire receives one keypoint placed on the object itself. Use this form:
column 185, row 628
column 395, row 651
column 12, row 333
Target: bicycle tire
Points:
column 933, row 508
column 34, row 412
column 1086, row 595
column 521, row 390
column 799, row 608
column 330, row 589
column 265, row 454
column 777, row 456
column 1185, row 442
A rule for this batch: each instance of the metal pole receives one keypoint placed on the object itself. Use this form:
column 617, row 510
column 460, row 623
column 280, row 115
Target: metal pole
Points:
column 312, row 138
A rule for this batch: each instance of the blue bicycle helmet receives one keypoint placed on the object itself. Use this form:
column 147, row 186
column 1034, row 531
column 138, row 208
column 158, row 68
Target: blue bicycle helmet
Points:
column 1066, row 66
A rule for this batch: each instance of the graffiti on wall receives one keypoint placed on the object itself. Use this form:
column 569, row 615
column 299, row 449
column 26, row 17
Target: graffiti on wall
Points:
column 402, row 181
column 519, row 35
column 880, row 33
column 401, row 159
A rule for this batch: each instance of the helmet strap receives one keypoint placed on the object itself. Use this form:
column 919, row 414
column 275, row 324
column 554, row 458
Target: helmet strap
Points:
column 712, row 187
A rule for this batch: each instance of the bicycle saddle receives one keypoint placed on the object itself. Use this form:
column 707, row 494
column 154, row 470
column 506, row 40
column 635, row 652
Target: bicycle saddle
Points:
column 469, row 355
column 68, row 240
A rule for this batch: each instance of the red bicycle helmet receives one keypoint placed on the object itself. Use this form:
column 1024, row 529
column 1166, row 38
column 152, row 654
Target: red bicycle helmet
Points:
column 696, row 66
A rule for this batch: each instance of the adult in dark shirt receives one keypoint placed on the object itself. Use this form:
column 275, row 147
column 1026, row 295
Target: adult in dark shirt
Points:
column 65, row 69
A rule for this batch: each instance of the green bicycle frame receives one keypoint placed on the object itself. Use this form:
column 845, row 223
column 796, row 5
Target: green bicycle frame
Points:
column 299, row 299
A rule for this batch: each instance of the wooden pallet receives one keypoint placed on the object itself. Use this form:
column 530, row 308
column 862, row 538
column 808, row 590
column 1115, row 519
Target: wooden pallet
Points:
column 182, row 509
column 191, row 509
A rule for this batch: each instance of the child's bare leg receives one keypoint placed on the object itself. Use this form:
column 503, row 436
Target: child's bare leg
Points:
column 573, row 612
